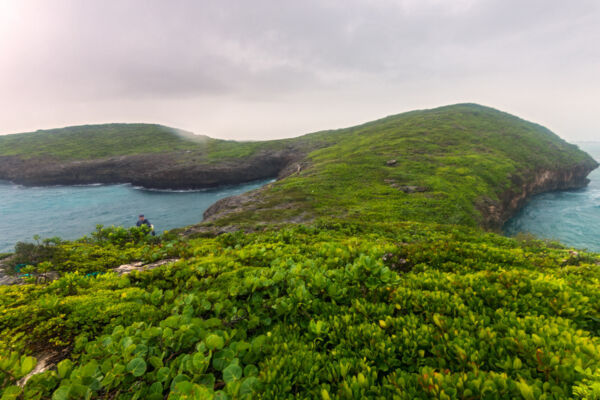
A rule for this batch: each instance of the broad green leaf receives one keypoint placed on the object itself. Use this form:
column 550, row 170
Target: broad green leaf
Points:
column 64, row 368
column 247, row 386
column 137, row 367
column 232, row 373
column 163, row 374
column 62, row 393
column 214, row 342
column 89, row 369
column 27, row 364
column 156, row 362
column 156, row 387
column 177, row 379
column 250, row 370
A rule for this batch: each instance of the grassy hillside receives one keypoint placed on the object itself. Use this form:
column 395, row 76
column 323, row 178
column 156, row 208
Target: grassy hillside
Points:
column 389, row 293
column 89, row 142
column 95, row 141
column 447, row 160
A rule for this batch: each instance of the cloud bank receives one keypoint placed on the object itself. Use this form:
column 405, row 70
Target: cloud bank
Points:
column 270, row 69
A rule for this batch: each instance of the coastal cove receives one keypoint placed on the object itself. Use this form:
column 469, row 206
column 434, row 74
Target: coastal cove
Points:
column 571, row 217
column 73, row 211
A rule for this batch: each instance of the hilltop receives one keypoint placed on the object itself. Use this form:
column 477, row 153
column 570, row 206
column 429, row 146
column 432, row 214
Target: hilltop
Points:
column 463, row 164
column 363, row 272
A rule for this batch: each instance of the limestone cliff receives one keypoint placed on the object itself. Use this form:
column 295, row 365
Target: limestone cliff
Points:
column 528, row 184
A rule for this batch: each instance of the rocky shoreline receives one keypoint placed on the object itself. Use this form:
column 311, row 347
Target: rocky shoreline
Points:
column 496, row 213
column 151, row 171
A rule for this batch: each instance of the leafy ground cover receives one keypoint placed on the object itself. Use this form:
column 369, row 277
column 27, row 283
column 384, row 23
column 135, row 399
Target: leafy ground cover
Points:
column 336, row 310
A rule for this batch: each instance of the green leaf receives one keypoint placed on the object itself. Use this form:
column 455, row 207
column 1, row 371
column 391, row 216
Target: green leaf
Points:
column 163, row 374
column 11, row 393
column 250, row 370
column 222, row 359
column 207, row 380
column 517, row 364
column 64, row 368
column 232, row 373
column 62, row 393
column 156, row 387
column 214, row 342
column 156, row 362
column 526, row 390
column 89, row 369
column 221, row 395
column 27, row 364
column 177, row 379
column 137, row 367
column 247, row 387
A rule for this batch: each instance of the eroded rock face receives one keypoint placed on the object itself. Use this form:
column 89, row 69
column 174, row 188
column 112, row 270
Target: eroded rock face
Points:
column 496, row 213
column 153, row 171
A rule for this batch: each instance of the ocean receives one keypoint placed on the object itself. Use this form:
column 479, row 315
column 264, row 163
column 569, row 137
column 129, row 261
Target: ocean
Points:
column 571, row 217
column 71, row 212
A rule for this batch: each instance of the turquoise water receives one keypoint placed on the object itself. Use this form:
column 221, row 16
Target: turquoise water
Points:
column 73, row 211
column 572, row 217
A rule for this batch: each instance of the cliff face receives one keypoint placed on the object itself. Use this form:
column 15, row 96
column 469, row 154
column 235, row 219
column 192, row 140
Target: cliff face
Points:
column 496, row 213
column 154, row 171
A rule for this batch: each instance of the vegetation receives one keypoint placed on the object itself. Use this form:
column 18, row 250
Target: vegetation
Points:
column 444, row 163
column 90, row 142
column 392, row 291
column 335, row 310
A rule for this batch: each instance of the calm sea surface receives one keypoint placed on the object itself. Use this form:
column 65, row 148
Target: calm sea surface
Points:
column 572, row 217
column 73, row 211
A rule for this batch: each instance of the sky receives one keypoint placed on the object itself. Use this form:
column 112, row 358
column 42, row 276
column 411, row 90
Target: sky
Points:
column 259, row 69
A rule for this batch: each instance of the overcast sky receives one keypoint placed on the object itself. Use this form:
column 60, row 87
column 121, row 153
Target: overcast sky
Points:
column 268, row 69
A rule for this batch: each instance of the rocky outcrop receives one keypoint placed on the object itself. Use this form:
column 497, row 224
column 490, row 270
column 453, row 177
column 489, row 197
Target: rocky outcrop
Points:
column 154, row 171
column 528, row 184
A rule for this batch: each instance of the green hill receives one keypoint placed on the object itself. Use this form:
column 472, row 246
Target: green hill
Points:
column 389, row 290
column 448, row 165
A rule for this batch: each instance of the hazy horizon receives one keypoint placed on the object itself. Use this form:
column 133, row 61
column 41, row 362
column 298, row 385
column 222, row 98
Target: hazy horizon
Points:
column 266, row 69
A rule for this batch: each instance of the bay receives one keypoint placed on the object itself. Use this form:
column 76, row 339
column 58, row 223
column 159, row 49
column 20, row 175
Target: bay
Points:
column 73, row 211
column 571, row 217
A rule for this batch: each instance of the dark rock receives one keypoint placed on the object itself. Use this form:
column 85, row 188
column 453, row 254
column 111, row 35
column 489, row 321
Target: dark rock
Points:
column 529, row 183
column 155, row 171
column 391, row 163
column 410, row 189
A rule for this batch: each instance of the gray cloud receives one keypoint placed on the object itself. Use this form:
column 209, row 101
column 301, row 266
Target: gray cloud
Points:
column 264, row 69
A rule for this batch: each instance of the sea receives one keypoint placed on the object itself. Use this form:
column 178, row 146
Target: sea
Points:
column 71, row 212
column 571, row 216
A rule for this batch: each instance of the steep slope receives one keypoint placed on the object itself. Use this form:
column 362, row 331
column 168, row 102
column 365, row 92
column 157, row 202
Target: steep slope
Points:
column 463, row 164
